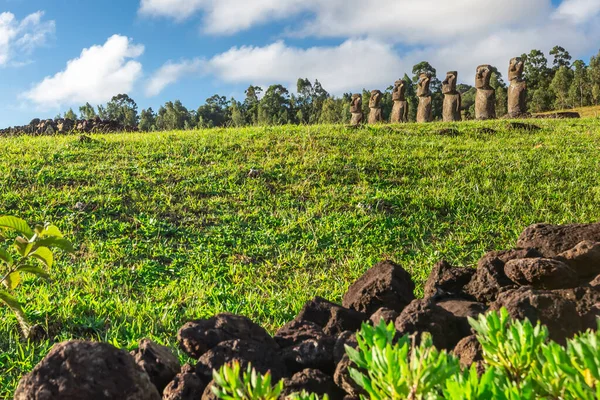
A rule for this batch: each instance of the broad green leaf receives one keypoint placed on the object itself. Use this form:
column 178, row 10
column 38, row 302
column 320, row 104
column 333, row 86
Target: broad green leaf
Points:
column 35, row 270
column 12, row 280
column 16, row 224
column 44, row 255
column 51, row 231
column 54, row 242
column 14, row 305
column 23, row 246
column 6, row 257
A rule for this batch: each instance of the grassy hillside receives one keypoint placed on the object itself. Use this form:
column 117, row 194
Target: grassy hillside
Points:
column 585, row 112
column 170, row 227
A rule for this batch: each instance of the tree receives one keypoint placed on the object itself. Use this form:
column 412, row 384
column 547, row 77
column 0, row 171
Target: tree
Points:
column 332, row 111
column 251, row 104
column 274, row 107
column 580, row 92
column 236, row 113
column 173, row 116
column 87, row 111
column 71, row 115
column 594, row 77
column 411, row 98
column 562, row 58
column 497, row 83
column 538, row 76
column 123, row 109
column 309, row 102
column 560, row 87
column 215, row 112
column 147, row 120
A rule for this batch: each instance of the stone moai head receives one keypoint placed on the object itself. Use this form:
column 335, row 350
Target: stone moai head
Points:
column 356, row 104
column 423, row 85
column 515, row 69
column 375, row 100
column 482, row 78
column 449, row 84
column 399, row 90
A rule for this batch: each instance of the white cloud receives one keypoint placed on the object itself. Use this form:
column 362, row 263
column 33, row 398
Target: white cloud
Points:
column 457, row 35
column 578, row 11
column 414, row 21
column 355, row 63
column 170, row 73
column 22, row 37
column 95, row 76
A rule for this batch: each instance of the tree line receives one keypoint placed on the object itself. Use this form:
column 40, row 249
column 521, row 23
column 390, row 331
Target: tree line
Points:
column 559, row 84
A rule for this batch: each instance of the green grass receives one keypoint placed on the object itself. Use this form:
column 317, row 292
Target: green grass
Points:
column 174, row 229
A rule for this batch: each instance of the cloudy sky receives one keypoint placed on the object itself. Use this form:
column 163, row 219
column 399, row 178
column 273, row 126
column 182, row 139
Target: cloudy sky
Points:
column 62, row 53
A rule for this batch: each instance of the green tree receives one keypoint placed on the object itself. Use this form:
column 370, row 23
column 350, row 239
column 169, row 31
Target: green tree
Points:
column 274, row 107
column 560, row 87
column 251, row 104
column 147, row 120
column 562, row 58
column 538, row 76
column 71, row 115
column 594, row 77
column 309, row 102
column 332, row 111
column 236, row 113
column 173, row 115
column 411, row 98
column 87, row 111
column 215, row 112
column 580, row 92
column 122, row 108
column 497, row 83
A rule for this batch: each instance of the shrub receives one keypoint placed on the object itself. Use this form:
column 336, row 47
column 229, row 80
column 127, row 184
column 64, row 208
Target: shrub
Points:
column 519, row 363
column 32, row 247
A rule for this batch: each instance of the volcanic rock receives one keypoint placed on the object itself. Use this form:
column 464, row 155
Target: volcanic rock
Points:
column 77, row 370
column 583, row 258
column 263, row 358
column 197, row 337
column 311, row 381
column 158, row 361
column 552, row 240
column 541, row 273
column 334, row 318
column 445, row 279
column 387, row 284
column 549, row 307
column 185, row 386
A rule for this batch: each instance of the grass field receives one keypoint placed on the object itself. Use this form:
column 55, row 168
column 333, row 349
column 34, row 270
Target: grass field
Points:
column 585, row 112
column 170, row 226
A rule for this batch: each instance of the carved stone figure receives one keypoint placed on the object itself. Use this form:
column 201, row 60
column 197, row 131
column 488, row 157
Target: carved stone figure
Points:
column 400, row 109
column 517, row 90
column 485, row 100
column 356, row 110
column 376, row 114
column 452, row 99
column 424, row 94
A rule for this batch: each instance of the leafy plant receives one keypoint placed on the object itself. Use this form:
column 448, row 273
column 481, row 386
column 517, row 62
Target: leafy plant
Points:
column 393, row 371
column 33, row 248
column 232, row 385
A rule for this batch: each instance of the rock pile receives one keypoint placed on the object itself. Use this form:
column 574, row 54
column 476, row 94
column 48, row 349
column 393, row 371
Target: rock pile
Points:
column 553, row 276
column 61, row 126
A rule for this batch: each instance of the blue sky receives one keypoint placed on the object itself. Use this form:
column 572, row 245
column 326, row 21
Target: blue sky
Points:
column 61, row 53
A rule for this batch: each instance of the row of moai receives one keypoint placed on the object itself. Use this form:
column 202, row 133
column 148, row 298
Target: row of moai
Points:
column 485, row 100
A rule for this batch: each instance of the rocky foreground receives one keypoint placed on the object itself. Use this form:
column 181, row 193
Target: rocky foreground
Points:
column 552, row 276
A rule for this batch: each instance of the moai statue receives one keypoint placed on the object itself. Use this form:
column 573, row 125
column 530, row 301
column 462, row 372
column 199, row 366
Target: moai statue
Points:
column 400, row 109
column 375, row 115
column 424, row 94
column 356, row 110
column 517, row 90
column 452, row 99
column 485, row 100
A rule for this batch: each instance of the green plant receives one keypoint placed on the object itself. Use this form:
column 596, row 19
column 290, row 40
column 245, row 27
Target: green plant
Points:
column 232, row 385
column 393, row 371
column 511, row 346
column 32, row 244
